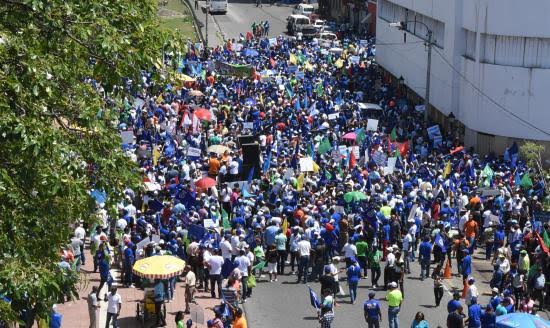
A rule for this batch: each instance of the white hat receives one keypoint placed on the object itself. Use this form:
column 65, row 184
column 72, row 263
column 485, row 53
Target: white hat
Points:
column 393, row 284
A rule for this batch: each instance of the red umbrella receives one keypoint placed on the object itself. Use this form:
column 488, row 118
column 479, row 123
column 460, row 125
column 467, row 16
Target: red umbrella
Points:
column 203, row 114
column 205, row 183
column 349, row 136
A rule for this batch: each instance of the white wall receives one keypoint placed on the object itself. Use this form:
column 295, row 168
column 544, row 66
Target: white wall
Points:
column 521, row 90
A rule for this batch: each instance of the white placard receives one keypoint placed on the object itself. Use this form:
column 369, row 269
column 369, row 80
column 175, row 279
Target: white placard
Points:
column 343, row 150
column 391, row 162
column 237, row 47
column 209, row 223
column 193, row 152
column 154, row 239
column 355, row 150
column 306, row 164
column 366, row 155
column 127, row 137
column 289, row 173
column 372, row 125
column 354, row 60
column 336, row 156
column 248, row 125
column 272, row 42
column 333, row 116
column 388, row 170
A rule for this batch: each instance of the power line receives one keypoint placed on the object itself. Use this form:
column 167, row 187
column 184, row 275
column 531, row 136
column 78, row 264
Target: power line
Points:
column 488, row 97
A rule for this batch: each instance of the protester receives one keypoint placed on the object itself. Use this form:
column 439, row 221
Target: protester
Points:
column 114, row 305
column 93, row 307
column 394, row 299
column 372, row 312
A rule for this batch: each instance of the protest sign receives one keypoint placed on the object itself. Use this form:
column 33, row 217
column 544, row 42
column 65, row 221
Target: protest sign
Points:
column 300, row 75
column 333, row 116
column 391, row 162
column 354, row 60
column 379, row 158
column 372, row 125
column 248, row 125
column 234, row 69
column 306, row 164
column 193, row 152
column 146, row 241
column 433, row 131
column 272, row 42
column 363, row 43
column 209, row 223
column 127, row 137
column 355, row 150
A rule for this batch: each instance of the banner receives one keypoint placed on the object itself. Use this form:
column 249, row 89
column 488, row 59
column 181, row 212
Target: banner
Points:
column 193, row 152
column 234, row 69
column 433, row 131
column 372, row 125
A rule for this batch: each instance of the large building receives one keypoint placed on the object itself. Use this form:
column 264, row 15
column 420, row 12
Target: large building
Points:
column 490, row 64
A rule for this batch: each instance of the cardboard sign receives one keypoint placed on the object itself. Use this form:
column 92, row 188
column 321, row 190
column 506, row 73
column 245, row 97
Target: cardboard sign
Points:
column 379, row 158
column 433, row 131
column 372, row 125
column 193, row 152
column 306, row 164
column 127, row 137
column 355, row 150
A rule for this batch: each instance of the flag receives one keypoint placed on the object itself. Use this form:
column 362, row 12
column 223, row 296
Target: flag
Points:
column 310, row 150
column 314, row 300
column 297, row 105
column 301, row 58
column 300, row 182
column 319, row 89
column 488, row 172
column 250, row 175
column 517, row 178
column 514, row 154
column 289, row 90
column 544, row 241
column 267, row 162
column 352, row 159
column 447, row 170
column 526, row 182
column 292, row 59
column 315, row 168
column 156, row 156
column 393, row 134
column 359, row 135
column 259, row 266
column 439, row 241
column 225, row 220
column 284, row 226
column 261, row 99
column 324, row 146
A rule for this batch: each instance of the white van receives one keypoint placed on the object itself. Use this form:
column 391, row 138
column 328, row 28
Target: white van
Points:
column 217, row 6
column 295, row 23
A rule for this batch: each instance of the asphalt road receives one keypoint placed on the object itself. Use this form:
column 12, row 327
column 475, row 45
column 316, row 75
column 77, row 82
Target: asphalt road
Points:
column 286, row 304
column 239, row 18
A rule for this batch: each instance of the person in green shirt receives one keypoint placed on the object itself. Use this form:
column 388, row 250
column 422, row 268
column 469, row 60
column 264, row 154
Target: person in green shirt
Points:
column 374, row 256
column 179, row 320
column 280, row 243
column 394, row 298
column 362, row 247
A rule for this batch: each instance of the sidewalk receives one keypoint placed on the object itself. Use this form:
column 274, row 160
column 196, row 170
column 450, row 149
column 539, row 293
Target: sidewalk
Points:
column 75, row 314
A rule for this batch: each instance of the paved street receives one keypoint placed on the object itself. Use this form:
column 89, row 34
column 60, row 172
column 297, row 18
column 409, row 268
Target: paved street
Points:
column 286, row 304
column 239, row 18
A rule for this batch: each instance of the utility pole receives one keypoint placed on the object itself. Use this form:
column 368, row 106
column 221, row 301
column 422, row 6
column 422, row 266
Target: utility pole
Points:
column 206, row 26
column 428, row 75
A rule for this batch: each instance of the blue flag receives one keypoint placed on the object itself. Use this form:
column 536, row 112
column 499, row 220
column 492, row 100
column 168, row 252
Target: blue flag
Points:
column 250, row 175
column 267, row 162
column 314, row 300
column 439, row 242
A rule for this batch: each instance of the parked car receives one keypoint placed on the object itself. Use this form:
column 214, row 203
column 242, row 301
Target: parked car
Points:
column 319, row 25
column 328, row 40
column 295, row 23
column 303, row 9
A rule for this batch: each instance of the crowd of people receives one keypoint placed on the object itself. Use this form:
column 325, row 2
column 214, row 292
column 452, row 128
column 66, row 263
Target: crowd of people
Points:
column 337, row 185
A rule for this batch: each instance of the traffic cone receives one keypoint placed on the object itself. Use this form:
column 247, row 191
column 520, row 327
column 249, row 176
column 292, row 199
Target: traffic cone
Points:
column 447, row 272
column 465, row 289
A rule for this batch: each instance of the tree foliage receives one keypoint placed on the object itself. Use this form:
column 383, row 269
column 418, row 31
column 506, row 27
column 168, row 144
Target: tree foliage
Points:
column 532, row 153
column 57, row 135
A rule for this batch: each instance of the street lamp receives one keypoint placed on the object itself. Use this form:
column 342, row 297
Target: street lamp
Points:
column 429, row 43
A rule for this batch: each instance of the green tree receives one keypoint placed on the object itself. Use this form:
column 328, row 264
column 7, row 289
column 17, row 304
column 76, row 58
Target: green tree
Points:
column 58, row 133
column 532, row 153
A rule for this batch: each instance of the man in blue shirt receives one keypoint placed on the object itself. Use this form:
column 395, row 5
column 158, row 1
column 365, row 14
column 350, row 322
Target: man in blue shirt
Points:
column 158, row 295
column 466, row 265
column 270, row 233
column 454, row 303
column 425, row 257
column 129, row 260
column 373, row 315
column 474, row 314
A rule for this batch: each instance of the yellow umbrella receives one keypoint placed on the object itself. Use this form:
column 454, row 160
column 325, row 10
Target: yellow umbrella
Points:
column 159, row 267
column 218, row 149
column 185, row 78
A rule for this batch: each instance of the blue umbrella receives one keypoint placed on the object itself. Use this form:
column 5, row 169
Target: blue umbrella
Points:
column 522, row 320
column 99, row 196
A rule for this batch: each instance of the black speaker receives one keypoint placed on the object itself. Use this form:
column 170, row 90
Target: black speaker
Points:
column 246, row 139
column 251, row 159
